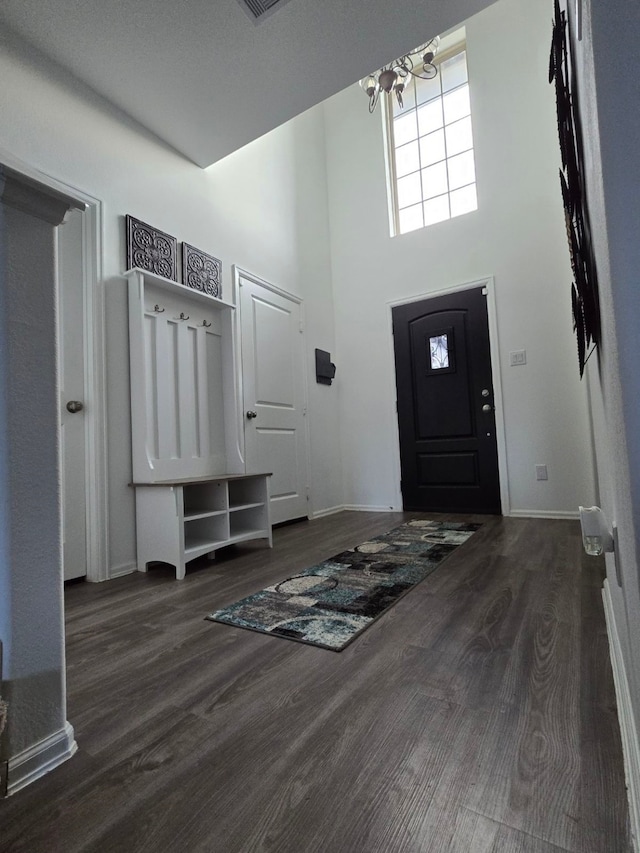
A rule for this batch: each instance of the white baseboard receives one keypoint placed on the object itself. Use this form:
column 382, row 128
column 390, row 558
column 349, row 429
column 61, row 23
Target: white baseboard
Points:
column 366, row 508
column 543, row 513
column 36, row 760
column 120, row 571
column 322, row 513
column 515, row 513
column 630, row 742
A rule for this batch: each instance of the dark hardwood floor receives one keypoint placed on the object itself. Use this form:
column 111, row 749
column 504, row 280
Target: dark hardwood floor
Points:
column 476, row 716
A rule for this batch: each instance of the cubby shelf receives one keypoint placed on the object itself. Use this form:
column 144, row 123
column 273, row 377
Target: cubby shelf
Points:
column 244, row 537
column 194, row 516
column 240, row 507
column 202, row 546
column 179, row 520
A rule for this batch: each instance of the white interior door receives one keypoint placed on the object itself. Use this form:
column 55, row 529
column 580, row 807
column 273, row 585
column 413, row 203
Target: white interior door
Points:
column 273, row 381
column 72, row 385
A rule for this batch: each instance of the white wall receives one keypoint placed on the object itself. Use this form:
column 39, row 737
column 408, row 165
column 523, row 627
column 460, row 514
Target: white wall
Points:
column 263, row 208
column 517, row 235
column 275, row 198
column 611, row 121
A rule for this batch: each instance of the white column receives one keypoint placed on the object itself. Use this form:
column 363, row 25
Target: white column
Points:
column 37, row 736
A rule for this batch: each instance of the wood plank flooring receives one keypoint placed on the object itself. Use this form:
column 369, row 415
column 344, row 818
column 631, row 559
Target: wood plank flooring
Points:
column 476, row 716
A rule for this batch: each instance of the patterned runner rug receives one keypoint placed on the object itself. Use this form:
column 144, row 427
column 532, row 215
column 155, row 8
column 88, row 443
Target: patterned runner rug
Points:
column 328, row 605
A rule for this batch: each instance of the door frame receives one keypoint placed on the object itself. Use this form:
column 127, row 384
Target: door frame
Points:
column 488, row 284
column 96, row 471
column 238, row 273
column 96, row 496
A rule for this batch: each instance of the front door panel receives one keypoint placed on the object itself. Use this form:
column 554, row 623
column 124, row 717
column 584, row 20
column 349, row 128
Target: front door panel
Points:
column 446, row 420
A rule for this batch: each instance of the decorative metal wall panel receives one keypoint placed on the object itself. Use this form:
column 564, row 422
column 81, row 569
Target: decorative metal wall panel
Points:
column 584, row 290
column 258, row 9
column 201, row 271
column 151, row 250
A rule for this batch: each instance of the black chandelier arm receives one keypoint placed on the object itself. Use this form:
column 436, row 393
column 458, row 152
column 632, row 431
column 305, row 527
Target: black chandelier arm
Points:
column 393, row 77
column 428, row 72
column 407, row 65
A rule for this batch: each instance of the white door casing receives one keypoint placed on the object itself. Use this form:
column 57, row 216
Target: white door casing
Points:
column 274, row 388
column 87, row 479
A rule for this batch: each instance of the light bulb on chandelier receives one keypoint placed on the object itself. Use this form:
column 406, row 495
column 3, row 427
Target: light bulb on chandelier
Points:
column 394, row 77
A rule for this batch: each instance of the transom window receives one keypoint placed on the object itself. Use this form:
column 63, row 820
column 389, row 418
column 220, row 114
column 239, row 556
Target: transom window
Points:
column 430, row 147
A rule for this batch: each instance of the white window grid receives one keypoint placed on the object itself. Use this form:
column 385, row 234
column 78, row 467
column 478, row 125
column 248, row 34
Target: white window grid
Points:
column 451, row 194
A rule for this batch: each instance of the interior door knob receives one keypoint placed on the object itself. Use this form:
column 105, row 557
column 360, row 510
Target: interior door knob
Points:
column 251, row 415
column 74, row 406
column 487, row 408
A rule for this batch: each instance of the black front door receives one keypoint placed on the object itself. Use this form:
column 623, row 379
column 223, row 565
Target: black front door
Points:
column 448, row 449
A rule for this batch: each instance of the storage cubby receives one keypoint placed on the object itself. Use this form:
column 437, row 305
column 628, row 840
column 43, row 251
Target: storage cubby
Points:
column 245, row 493
column 204, row 535
column 205, row 499
column 246, row 523
column 180, row 520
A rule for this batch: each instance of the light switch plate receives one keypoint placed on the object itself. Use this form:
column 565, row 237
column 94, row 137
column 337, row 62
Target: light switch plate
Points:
column 541, row 472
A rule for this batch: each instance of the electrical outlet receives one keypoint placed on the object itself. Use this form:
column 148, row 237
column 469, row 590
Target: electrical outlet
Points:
column 518, row 357
column 541, row 472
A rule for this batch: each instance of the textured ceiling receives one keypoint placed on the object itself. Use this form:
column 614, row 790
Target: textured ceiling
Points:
column 207, row 79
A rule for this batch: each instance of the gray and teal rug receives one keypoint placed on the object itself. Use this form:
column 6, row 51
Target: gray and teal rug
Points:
column 328, row 605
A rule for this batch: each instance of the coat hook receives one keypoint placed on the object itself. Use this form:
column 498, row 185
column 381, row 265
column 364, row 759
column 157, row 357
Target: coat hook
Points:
column 158, row 309
column 182, row 316
column 205, row 324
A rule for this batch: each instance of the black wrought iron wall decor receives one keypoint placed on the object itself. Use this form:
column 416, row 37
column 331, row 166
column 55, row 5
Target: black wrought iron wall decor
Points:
column 201, row 271
column 584, row 289
column 151, row 250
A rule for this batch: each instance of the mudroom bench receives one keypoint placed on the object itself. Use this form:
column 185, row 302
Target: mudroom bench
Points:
column 179, row 520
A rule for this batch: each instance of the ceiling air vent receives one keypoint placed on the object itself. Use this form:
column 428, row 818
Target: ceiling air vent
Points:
column 258, row 10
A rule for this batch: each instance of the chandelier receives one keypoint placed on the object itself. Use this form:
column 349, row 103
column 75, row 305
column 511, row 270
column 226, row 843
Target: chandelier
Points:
column 394, row 77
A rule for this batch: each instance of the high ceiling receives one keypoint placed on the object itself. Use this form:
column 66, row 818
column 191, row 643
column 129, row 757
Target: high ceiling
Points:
column 206, row 78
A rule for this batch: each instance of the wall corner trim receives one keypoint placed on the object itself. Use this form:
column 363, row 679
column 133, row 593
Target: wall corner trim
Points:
column 367, row 508
column 37, row 760
column 323, row 513
column 543, row 513
column 121, row 571
column 630, row 741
